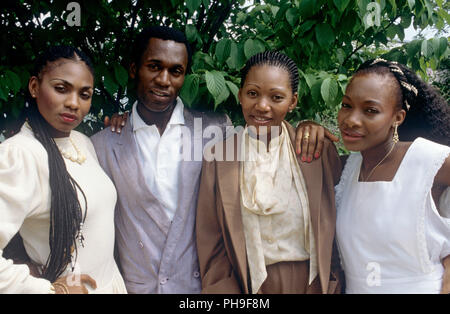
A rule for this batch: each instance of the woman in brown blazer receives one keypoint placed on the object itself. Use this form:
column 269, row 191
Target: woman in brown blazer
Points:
column 265, row 221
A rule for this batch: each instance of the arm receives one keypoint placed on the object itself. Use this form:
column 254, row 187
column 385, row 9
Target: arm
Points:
column 311, row 146
column 215, row 267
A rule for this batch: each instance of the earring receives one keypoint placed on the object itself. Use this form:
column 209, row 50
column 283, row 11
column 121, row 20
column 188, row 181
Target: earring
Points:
column 395, row 138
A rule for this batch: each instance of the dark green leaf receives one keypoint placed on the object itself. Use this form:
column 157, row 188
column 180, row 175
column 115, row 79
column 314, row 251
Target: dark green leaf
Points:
column 324, row 35
column 341, row 4
column 223, row 49
column 189, row 90
column 120, row 74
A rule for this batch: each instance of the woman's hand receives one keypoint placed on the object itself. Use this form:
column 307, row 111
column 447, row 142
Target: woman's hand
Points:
column 116, row 122
column 67, row 284
column 309, row 140
column 446, row 278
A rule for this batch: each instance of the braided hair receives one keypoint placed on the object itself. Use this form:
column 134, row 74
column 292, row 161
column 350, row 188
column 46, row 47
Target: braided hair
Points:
column 427, row 112
column 273, row 58
column 65, row 209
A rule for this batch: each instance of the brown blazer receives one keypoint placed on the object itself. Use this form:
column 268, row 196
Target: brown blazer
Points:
column 220, row 235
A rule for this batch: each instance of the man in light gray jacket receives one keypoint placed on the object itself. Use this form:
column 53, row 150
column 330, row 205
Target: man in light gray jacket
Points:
column 155, row 163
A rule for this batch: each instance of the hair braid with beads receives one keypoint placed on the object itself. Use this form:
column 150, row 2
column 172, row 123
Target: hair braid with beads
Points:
column 427, row 112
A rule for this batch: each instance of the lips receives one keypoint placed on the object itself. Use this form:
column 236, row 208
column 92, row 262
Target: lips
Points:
column 261, row 120
column 159, row 93
column 348, row 135
column 68, row 117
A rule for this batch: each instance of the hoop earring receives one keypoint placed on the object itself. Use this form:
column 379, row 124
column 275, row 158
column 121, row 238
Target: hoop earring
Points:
column 395, row 138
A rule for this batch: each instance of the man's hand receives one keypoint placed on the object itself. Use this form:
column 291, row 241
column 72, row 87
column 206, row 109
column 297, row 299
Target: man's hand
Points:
column 309, row 140
column 446, row 278
column 117, row 122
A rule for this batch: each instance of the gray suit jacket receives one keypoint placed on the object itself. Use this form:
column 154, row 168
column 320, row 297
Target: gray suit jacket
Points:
column 156, row 255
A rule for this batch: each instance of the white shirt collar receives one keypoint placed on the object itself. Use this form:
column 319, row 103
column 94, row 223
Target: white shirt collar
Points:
column 176, row 118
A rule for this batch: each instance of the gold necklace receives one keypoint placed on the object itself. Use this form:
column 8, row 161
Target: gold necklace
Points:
column 79, row 158
column 379, row 163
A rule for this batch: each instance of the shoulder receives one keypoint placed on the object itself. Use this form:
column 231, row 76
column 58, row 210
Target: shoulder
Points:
column 25, row 142
column 101, row 139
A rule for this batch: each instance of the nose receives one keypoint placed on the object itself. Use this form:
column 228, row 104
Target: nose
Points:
column 163, row 78
column 72, row 101
column 351, row 119
column 262, row 105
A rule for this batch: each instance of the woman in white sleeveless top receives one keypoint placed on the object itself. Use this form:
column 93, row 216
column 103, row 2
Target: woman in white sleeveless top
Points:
column 391, row 237
column 393, row 199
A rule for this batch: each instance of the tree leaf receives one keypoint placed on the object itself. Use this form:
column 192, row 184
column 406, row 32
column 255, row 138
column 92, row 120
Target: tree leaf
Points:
column 427, row 49
column 14, row 81
column 341, row 4
column 292, row 16
column 110, row 84
column 307, row 8
column 324, row 35
column 329, row 90
column 120, row 74
column 191, row 32
column 193, row 5
column 234, row 90
column 411, row 4
column 439, row 46
column 215, row 82
column 223, row 49
column 252, row 47
column 190, row 88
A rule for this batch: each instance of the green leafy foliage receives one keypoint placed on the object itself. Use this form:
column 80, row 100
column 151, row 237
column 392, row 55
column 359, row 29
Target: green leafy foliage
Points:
column 327, row 39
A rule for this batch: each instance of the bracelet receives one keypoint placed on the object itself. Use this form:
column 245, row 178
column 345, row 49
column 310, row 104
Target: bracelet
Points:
column 63, row 287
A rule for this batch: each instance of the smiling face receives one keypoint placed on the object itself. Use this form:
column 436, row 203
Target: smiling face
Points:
column 266, row 96
column 63, row 94
column 369, row 111
column 161, row 73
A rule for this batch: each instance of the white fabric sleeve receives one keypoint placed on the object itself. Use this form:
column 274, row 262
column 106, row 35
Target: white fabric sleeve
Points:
column 20, row 196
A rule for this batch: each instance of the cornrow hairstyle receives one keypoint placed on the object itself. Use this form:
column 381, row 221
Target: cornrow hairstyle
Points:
column 273, row 58
column 65, row 209
column 161, row 32
column 427, row 112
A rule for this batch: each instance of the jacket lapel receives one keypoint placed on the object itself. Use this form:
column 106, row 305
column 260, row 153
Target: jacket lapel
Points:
column 313, row 175
column 132, row 175
column 228, row 183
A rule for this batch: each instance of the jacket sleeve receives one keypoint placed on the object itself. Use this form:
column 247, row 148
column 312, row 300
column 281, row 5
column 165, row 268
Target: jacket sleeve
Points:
column 333, row 168
column 215, row 267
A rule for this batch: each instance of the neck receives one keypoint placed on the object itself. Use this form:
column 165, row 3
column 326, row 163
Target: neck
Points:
column 373, row 155
column 158, row 118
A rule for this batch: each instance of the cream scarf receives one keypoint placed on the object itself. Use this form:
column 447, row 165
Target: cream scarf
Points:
column 274, row 206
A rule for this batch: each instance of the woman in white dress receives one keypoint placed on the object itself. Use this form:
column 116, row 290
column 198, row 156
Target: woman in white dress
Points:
column 52, row 189
column 393, row 205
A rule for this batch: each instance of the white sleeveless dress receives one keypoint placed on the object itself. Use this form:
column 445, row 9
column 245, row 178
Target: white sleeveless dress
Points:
column 390, row 235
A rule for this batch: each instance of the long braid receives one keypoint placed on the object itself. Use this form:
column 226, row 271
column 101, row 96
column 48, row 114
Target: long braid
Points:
column 65, row 209
column 427, row 112
column 273, row 58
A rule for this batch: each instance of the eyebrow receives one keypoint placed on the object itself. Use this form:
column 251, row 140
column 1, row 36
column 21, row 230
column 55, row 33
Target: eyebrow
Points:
column 70, row 84
column 159, row 61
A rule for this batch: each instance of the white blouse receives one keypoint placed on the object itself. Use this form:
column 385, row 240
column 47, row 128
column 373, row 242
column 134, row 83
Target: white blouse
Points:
column 25, row 206
column 390, row 235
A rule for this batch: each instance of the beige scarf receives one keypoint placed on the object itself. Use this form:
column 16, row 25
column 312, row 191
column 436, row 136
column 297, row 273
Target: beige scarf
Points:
column 274, row 206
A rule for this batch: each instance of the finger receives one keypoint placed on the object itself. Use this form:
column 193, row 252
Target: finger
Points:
column 305, row 141
column 298, row 140
column 319, row 146
column 311, row 143
column 124, row 119
column 106, row 121
column 331, row 136
column 88, row 280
